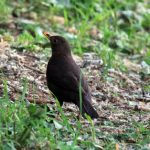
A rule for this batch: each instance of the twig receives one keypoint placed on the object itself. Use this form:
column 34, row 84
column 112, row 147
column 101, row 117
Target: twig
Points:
column 145, row 99
column 136, row 108
column 32, row 56
column 136, row 97
column 38, row 101
column 38, row 71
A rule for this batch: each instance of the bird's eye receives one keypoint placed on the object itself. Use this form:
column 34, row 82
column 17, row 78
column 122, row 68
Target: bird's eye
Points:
column 54, row 40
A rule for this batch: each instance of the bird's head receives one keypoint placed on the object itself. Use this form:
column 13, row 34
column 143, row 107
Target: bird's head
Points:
column 59, row 44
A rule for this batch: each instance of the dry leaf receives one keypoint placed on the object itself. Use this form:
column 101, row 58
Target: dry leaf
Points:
column 132, row 66
column 58, row 19
column 72, row 30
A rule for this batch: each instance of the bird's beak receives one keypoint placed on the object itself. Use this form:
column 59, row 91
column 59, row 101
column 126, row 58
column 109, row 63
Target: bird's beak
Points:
column 46, row 34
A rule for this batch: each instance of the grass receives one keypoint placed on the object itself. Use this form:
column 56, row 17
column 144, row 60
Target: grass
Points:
column 5, row 10
column 123, row 28
column 29, row 126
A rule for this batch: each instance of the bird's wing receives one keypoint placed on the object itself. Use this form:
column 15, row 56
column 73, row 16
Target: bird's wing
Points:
column 69, row 81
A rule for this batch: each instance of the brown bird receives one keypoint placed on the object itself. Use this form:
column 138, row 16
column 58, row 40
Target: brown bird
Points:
column 65, row 79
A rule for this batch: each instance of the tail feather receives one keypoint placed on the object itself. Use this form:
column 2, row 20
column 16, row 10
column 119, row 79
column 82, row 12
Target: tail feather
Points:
column 89, row 110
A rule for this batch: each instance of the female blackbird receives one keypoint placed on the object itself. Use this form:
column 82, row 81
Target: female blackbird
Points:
column 64, row 77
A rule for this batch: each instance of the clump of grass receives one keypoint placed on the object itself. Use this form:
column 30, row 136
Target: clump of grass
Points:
column 26, row 41
column 25, row 38
column 4, row 11
column 28, row 125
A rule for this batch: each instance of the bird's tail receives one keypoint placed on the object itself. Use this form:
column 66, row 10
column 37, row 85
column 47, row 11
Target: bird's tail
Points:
column 88, row 109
